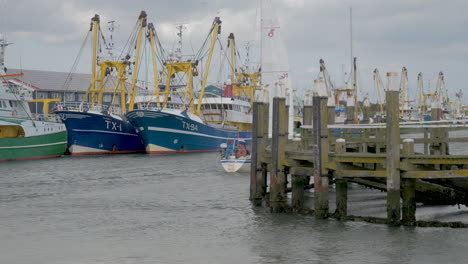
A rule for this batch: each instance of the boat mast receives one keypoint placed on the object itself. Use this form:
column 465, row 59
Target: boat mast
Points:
column 351, row 33
column 355, row 89
column 155, row 65
column 95, row 29
column 142, row 19
column 233, row 58
column 214, row 36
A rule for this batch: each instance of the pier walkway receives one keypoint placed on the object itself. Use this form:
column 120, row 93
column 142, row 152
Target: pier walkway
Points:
column 380, row 156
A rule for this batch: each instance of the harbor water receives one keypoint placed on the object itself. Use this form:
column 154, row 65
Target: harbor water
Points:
column 185, row 209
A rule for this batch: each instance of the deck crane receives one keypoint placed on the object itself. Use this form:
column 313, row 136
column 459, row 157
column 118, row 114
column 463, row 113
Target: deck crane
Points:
column 151, row 36
column 328, row 85
column 421, row 101
column 458, row 104
column 332, row 91
column 379, row 85
column 244, row 83
column 441, row 95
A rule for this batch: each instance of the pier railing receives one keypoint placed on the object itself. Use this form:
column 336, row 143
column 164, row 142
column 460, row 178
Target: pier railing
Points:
column 84, row 107
column 381, row 156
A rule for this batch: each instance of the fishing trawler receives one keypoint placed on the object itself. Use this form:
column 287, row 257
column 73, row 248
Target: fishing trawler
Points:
column 98, row 128
column 194, row 125
column 21, row 135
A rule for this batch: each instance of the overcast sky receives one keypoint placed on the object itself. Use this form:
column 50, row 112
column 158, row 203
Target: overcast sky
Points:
column 424, row 35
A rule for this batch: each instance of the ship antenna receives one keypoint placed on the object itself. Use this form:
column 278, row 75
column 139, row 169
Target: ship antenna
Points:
column 111, row 28
column 178, row 52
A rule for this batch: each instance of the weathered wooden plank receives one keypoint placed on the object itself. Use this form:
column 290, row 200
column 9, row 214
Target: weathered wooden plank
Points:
column 360, row 174
column 307, row 171
column 308, row 155
column 443, row 174
column 359, row 158
column 437, row 159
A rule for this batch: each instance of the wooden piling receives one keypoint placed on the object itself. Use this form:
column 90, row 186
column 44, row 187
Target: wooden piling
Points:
column 258, row 172
column 331, row 114
column 306, row 132
column 393, row 152
column 298, row 184
column 341, row 186
column 307, row 115
column 408, row 189
column 320, row 138
column 436, row 133
column 278, row 149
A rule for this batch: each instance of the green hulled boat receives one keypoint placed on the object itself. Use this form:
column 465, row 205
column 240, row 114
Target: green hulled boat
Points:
column 22, row 135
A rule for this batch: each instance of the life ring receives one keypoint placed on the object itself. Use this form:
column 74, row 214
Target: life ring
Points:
column 14, row 112
column 241, row 153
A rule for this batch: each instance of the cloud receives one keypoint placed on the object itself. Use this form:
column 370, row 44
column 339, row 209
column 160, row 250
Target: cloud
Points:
column 424, row 35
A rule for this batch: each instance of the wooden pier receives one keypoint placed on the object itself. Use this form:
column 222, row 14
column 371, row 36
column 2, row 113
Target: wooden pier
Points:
column 379, row 156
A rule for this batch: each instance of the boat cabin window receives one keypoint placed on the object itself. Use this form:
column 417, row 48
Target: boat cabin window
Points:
column 70, row 97
column 230, row 107
column 11, row 103
column 107, row 98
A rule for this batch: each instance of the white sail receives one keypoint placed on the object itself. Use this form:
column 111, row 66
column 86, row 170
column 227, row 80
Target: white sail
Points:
column 274, row 61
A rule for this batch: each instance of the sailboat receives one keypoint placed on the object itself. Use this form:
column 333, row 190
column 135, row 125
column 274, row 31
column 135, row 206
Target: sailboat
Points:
column 185, row 127
column 21, row 135
column 97, row 128
column 275, row 72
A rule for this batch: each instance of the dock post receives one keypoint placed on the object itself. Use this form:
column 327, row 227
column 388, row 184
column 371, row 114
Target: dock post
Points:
column 408, row 189
column 426, row 145
column 306, row 121
column 393, row 150
column 341, row 186
column 278, row 148
column 436, row 135
column 439, row 135
column 320, row 136
column 298, row 182
column 331, row 113
column 258, row 171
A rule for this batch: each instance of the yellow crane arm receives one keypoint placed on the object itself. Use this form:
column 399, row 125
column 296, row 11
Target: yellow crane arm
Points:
column 216, row 26
column 142, row 19
column 155, row 65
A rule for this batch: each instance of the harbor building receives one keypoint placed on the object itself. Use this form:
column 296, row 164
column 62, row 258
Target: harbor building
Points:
column 68, row 87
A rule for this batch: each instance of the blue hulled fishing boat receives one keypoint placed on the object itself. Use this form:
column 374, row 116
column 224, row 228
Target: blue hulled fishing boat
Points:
column 193, row 125
column 95, row 127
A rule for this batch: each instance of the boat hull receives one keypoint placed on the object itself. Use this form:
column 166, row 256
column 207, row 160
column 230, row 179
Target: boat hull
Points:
column 163, row 132
column 92, row 133
column 236, row 165
column 34, row 147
